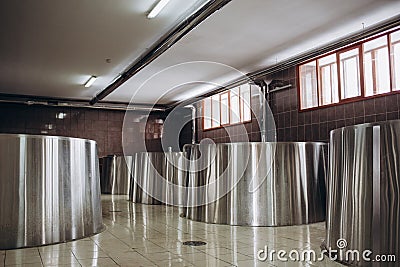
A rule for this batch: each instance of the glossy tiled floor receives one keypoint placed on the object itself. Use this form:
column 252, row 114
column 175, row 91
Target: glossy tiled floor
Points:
column 142, row 235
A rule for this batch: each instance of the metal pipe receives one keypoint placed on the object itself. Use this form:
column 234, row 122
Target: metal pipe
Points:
column 163, row 44
column 280, row 88
column 264, row 92
column 193, row 108
column 54, row 102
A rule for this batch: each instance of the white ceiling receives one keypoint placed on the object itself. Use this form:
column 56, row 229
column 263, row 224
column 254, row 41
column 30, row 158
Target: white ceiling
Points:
column 51, row 47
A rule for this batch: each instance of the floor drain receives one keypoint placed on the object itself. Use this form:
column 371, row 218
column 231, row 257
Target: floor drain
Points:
column 115, row 211
column 194, row 243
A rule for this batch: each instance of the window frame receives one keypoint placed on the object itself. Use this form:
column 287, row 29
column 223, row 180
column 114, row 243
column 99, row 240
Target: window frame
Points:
column 391, row 62
column 299, row 81
column 319, row 78
column 228, row 93
column 361, row 69
column 241, row 121
column 374, row 67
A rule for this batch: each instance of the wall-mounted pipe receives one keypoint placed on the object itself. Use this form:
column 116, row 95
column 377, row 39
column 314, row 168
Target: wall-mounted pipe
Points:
column 280, row 88
column 163, row 44
column 263, row 110
column 193, row 108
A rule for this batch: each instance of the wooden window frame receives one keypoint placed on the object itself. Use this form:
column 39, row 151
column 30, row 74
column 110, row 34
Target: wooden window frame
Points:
column 241, row 108
column 229, row 108
column 361, row 70
column 299, row 81
column 319, row 78
column 391, row 63
column 374, row 67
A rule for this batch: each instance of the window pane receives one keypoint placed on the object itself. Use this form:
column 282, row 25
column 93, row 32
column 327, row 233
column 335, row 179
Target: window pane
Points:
column 395, row 57
column 215, row 111
column 350, row 74
column 376, row 67
column 225, row 108
column 235, row 106
column 328, row 80
column 245, row 102
column 308, row 85
column 207, row 113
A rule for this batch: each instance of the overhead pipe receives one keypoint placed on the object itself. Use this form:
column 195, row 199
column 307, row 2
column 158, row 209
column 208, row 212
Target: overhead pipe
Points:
column 69, row 103
column 163, row 44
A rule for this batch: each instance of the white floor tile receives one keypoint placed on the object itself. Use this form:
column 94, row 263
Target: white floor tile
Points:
column 58, row 261
column 106, row 262
column 22, row 259
column 146, row 235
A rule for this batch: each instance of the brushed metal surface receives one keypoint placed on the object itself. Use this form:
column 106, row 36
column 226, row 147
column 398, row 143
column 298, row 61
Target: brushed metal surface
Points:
column 156, row 178
column 267, row 184
column 148, row 168
column 116, row 175
column 49, row 190
column 363, row 190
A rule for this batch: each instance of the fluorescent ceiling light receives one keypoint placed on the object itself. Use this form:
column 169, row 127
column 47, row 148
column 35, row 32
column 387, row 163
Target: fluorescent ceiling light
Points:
column 91, row 80
column 157, row 9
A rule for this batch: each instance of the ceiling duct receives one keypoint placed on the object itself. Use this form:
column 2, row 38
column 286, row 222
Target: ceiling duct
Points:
column 163, row 44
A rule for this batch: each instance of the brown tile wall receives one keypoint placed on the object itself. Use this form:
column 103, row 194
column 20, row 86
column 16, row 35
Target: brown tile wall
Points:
column 315, row 125
column 294, row 125
column 103, row 126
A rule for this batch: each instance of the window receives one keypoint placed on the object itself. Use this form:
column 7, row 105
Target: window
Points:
column 245, row 108
column 216, row 112
column 365, row 69
column 350, row 73
column 328, row 80
column 235, row 106
column 227, row 108
column 395, row 59
column 376, row 66
column 308, row 85
column 207, row 114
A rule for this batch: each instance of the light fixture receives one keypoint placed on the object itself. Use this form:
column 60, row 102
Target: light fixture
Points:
column 48, row 126
column 157, row 9
column 61, row 115
column 89, row 82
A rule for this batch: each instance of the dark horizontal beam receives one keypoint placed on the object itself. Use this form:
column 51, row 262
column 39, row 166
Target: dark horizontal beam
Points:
column 162, row 45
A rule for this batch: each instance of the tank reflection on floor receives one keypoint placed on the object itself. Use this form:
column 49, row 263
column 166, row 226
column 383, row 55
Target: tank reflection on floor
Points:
column 148, row 235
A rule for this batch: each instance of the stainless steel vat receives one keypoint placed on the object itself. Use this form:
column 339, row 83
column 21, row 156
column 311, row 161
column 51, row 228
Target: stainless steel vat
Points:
column 363, row 191
column 49, row 190
column 257, row 184
column 148, row 168
column 116, row 175
column 156, row 178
